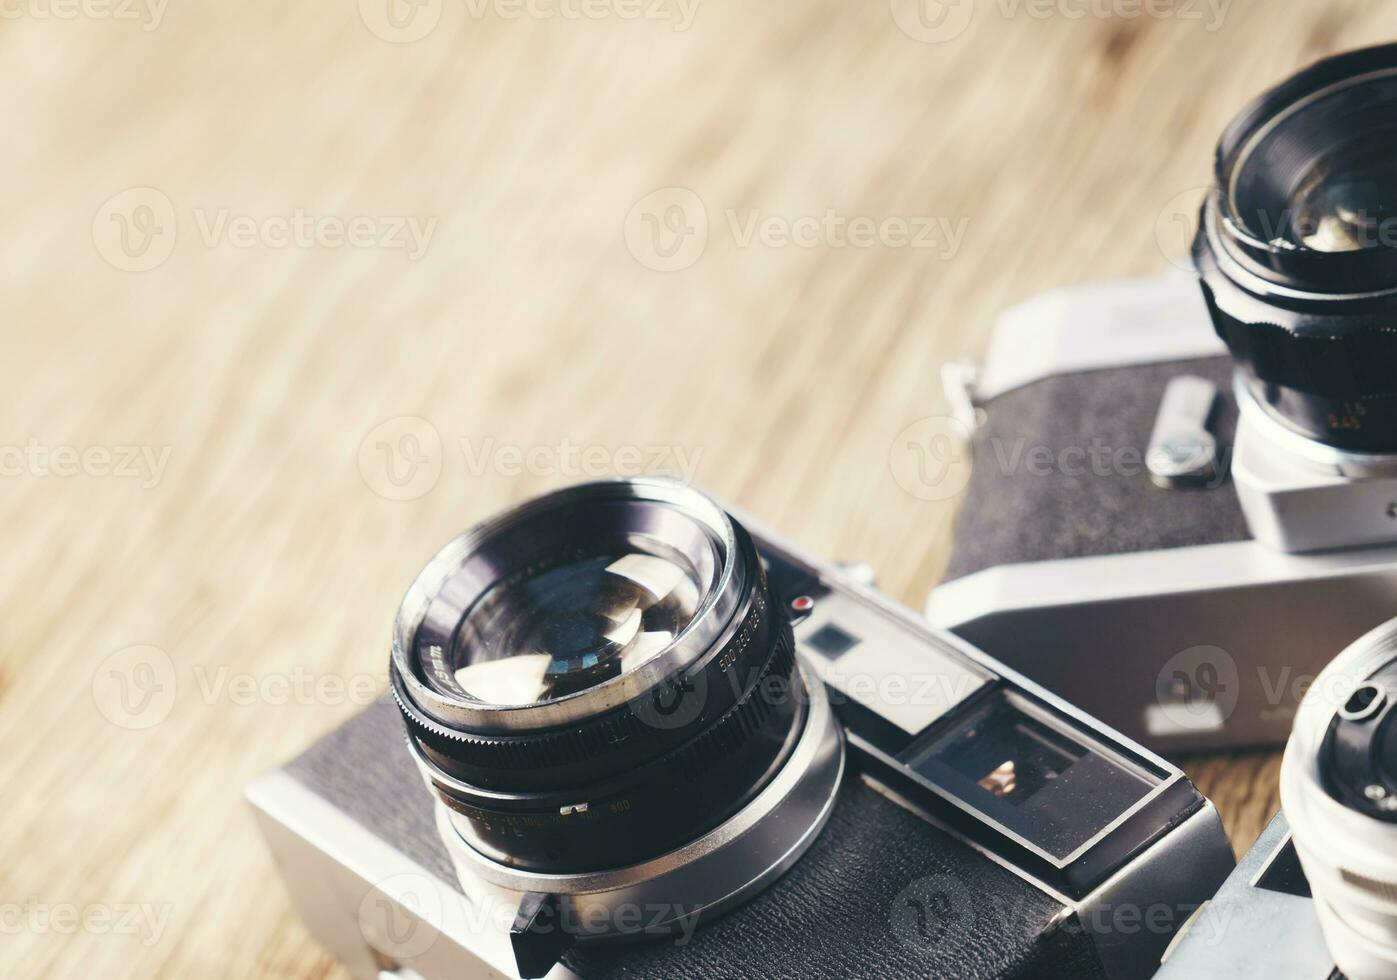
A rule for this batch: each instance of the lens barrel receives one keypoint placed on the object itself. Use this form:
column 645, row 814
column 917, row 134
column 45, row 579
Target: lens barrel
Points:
column 1339, row 792
column 1297, row 250
column 597, row 677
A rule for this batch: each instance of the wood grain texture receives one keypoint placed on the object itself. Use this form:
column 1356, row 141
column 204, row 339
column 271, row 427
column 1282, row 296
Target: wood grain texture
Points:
column 263, row 563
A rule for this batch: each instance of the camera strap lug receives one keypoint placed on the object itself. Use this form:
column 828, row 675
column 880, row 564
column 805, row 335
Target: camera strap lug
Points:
column 960, row 380
column 538, row 936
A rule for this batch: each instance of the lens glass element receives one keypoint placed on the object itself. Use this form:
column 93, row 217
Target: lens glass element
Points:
column 539, row 638
column 572, row 605
column 1322, row 175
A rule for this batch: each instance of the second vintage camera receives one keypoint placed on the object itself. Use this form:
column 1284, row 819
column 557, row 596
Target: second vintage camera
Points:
column 1182, row 497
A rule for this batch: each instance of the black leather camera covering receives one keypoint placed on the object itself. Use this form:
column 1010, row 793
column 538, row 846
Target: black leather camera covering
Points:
column 881, row 893
column 1019, row 510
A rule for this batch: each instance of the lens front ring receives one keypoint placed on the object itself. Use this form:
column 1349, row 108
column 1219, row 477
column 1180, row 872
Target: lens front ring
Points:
column 1284, row 163
column 432, row 592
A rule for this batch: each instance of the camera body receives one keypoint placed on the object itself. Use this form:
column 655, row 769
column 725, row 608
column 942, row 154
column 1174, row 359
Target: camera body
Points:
column 1186, row 606
column 978, row 826
column 1262, row 922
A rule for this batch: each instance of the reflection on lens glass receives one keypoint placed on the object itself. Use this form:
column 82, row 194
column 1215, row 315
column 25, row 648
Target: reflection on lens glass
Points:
column 573, row 627
column 1346, row 201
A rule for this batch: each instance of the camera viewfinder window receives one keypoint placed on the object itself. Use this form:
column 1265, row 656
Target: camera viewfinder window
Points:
column 832, row 641
column 1032, row 772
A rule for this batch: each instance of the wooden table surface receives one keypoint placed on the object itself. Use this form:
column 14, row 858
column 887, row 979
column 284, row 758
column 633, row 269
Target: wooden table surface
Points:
column 292, row 293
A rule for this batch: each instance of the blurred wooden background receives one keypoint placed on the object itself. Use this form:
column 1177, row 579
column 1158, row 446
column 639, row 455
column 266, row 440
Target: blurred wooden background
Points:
column 230, row 437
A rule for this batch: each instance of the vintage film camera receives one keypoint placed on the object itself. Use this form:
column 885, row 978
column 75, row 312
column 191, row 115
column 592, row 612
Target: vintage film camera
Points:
column 1319, row 888
column 1105, row 549
column 631, row 739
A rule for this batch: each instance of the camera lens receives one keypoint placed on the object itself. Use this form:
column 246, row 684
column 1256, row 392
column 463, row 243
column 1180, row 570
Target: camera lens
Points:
column 1339, row 791
column 1297, row 250
column 597, row 677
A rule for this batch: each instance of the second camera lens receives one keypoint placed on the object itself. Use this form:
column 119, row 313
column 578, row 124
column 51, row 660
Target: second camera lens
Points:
column 1297, row 250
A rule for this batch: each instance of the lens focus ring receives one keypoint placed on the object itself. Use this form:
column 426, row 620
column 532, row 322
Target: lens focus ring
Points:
column 1348, row 356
